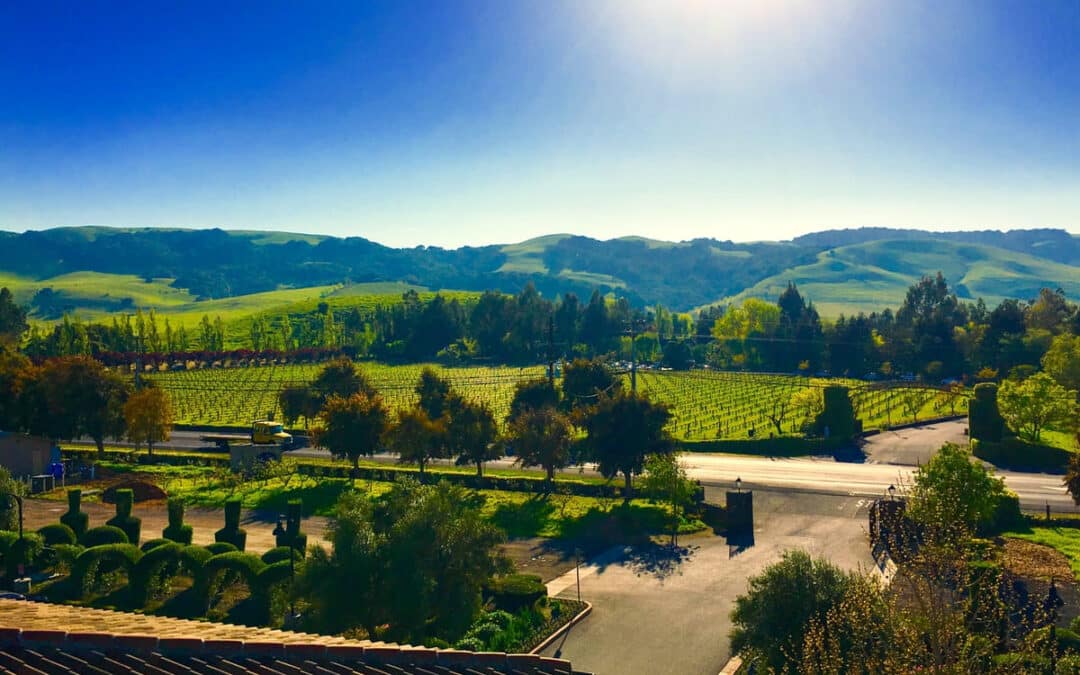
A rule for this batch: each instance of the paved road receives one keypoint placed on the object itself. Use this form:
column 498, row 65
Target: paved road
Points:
column 654, row 613
column 891, row 459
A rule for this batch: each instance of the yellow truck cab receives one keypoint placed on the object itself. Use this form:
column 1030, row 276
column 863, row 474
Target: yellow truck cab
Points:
column 265, row 432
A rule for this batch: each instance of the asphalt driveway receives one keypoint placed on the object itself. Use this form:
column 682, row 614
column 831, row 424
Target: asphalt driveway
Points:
column 655, row 612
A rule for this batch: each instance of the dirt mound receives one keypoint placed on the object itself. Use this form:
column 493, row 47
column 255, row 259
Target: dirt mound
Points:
column 144, row 491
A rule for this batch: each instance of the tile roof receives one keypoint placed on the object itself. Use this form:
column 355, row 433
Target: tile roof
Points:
column 46, row 638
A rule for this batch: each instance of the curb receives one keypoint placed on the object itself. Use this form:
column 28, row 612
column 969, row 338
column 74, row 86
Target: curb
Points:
column 562, row 629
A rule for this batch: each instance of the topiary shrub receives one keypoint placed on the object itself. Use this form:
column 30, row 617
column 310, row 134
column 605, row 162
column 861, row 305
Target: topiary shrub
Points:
column 153, row 569
column 78, row 521
column 232, row 533
column 516, row 591
column 292, row 531
column 245, row 566
column 123, row 519
column 57, row 533
column 219, row 547
column 985, row 422
column 1006, row 515
column 93, row 561
column 837, row 420
column 150, row 545
column 105, row 534
column 177, row 531
column 279, row 554
column 64, row 556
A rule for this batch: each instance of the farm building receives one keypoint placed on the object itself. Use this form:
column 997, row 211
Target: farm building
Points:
column 24, row 455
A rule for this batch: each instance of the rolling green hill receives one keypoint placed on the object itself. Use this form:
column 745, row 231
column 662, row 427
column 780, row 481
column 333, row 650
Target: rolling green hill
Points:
column 877, row 274
column 97, row 271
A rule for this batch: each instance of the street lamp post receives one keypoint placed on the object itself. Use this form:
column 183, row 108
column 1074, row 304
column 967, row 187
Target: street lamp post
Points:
column 738, row 485
column 892, row 492
column 577, row 572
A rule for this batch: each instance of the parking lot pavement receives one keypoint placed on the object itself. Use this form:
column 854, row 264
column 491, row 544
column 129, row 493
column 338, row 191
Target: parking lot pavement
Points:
column 913, row 446
column 655, row 611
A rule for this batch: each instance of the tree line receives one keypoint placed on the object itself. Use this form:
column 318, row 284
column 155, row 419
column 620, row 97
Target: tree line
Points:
column 932, row 334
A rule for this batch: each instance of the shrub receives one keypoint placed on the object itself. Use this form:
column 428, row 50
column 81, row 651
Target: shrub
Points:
column 64, row 556
column 984, row 419
column 7, row 538
column 123, row 519
column 105, row 534
column 279, row 554
column 150, row 545
column 472, row 644
column 23, row 552
column 516, row 591
column 1018, row 455
column 149, row 571
column 1005, row 516
column 219, row 547
column 176, row 530
column 232, row 533
column 57, row 533
column 246, row 566
column 75, row 518
column 85, row 571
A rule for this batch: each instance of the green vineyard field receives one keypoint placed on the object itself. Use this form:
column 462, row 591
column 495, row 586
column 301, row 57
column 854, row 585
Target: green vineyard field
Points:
column 706, row 405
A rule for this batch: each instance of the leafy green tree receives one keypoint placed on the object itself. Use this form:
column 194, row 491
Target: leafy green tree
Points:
column 341, row 377
column 417, row 560
column 584, row 381
column 532, row 394
column 542, row 437
column 148, row 415
column 623, row 431
column 1062, row 360
column 12, row 366
column 73, row 396
column 771, row 618
column 1034, row 404
column 952, row 495
column 433, row 392
column 298, row 401
column 352, row 427
column 472, row 435
column 665, row 479
column 808, row 404
column 416, row 438
column 12, row 320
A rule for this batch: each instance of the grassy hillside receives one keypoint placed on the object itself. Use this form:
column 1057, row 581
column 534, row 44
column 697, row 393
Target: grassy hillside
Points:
column 874, row 275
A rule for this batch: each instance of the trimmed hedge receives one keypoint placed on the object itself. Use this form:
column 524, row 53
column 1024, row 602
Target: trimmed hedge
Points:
column 514, row 592
column 21, row 552
column 281, row 554
column 1018, row 455
column 152, row 566
column 984, row 419
column 219, row 547
column 57, row 533
column 245, row 565
column 148, row 546
column 78, row 521
column 1006, row 516
column 87, row 566
column 102, row 535
column 232, row 533
column 176, row 530
column 131, row 525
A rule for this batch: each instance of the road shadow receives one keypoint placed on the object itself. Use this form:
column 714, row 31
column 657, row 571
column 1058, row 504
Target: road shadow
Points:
column 852, row 453
column 659, row 561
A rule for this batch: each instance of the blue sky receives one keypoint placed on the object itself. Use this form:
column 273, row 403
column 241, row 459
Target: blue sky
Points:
column 453, row 123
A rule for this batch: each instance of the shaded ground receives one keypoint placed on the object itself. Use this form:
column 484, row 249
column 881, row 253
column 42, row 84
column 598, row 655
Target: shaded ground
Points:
column 913, row 446
column 658, row 610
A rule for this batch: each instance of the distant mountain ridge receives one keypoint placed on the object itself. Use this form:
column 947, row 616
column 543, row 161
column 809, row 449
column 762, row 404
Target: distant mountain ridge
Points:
column 835, row 265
